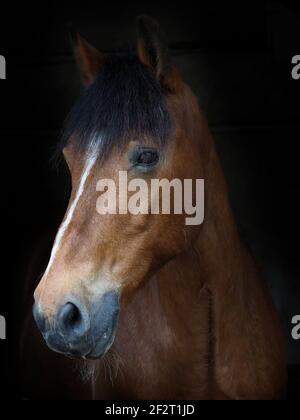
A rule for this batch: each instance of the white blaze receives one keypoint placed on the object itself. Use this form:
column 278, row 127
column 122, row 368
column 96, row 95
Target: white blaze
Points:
column 64, row 226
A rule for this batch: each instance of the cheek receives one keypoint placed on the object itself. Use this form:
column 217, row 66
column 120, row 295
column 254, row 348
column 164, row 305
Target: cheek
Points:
column 150, row 240
column 170, row 236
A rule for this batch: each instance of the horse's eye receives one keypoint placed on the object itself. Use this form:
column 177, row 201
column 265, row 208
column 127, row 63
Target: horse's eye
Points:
column 147, row 157
column 144, row 157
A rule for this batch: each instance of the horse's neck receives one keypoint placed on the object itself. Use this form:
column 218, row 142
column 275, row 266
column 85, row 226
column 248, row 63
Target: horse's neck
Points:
column 222, row 256
column 246, row 330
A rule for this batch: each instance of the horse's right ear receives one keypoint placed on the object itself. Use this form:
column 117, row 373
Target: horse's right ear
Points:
column 153, row 51
column 88, row 58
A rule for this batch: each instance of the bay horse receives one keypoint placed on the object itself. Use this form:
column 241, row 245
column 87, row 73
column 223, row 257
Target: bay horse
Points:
column 170, row 311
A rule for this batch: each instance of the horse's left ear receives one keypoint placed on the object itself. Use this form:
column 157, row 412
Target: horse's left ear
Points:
column 153, row 52
column 89, row 59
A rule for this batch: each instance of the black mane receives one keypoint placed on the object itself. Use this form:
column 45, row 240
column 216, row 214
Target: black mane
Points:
column 125, row 101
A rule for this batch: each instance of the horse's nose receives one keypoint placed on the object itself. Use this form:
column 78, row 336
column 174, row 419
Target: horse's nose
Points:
column 71, row 321
column 81, row 331
column 68, row 331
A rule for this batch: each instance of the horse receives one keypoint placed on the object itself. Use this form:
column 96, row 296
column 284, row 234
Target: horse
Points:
column 148, row 306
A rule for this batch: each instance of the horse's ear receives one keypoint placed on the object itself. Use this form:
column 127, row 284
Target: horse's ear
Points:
column 88, row 58
column 153, row 52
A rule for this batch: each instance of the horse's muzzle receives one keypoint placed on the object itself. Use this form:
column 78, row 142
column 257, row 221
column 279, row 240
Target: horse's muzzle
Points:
column 78, row 331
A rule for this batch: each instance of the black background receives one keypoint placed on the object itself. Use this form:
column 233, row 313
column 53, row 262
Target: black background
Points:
column 236, row 56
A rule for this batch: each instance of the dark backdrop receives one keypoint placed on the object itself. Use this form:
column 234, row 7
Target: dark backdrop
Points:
column 236, row 56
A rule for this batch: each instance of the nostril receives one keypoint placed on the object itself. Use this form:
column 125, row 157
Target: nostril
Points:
column 70, row 319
